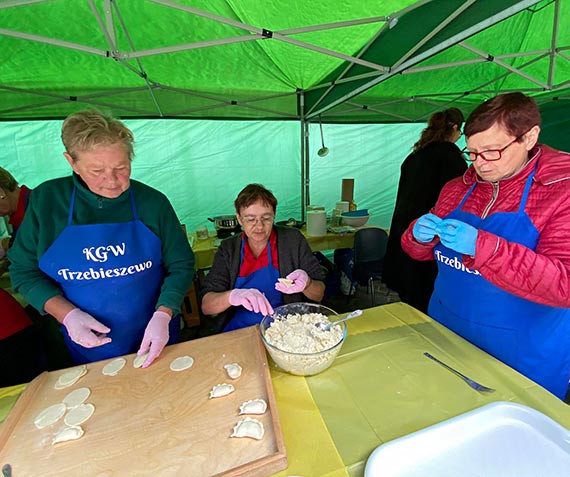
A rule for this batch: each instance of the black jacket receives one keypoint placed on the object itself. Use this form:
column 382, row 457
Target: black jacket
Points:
column 423, row 175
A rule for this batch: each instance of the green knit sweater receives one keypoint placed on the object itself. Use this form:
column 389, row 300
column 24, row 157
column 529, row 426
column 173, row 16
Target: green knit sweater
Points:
column 46, row 217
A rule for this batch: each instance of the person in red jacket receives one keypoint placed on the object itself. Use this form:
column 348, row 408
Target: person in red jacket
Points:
column 499, row 235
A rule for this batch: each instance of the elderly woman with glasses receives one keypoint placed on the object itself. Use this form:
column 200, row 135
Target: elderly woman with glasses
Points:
column 499, row 235
column 244, row 279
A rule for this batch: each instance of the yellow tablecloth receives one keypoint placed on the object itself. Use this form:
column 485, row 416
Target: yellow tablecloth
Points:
column 381, row 387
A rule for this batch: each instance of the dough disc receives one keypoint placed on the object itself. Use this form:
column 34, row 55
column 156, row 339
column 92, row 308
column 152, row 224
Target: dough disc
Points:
column 76, row 397
column 50, row 415
column 79, row 415
column 112, row 368
column 70, row 377
column 139, row 360
column 182, row 363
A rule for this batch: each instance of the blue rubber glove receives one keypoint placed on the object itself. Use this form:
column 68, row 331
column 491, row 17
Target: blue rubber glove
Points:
column 458, row 236
column 426, row 228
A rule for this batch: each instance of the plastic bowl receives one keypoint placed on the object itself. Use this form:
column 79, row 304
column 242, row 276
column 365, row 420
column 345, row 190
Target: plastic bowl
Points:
column 301, row 363
column 356, row 213
column 355, row 221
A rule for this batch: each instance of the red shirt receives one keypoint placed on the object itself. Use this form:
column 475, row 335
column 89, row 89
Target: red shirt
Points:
column 13, row 318
column 250, row 264
column 17, row 217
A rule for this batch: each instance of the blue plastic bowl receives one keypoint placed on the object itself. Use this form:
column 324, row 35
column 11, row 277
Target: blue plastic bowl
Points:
column 356, row 213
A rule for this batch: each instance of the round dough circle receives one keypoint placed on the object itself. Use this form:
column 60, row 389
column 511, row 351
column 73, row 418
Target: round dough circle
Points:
column 181, row 363
column 113, row 367
column 70, row 377
column 139, row 360
column 50, row 415
column 76, row 397
column 79, row 415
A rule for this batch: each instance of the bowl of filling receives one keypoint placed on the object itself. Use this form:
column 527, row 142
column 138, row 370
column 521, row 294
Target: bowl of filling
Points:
column 296, row 344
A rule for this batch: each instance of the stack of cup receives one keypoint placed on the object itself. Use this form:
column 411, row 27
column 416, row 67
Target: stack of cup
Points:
column 335, row 217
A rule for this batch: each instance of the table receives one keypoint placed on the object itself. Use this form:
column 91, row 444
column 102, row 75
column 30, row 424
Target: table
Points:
column 381, row 387
column 204, row 250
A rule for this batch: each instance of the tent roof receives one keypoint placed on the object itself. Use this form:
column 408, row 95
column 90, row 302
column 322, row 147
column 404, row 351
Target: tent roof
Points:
column 395, row 60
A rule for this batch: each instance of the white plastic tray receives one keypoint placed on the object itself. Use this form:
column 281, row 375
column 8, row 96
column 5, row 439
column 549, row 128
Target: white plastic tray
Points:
column 497, row 440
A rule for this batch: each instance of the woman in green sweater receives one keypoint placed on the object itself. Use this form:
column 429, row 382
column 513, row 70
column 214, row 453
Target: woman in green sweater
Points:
column 103, row 254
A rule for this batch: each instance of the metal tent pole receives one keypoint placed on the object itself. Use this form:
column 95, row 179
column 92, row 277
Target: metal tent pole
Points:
column 304, row 154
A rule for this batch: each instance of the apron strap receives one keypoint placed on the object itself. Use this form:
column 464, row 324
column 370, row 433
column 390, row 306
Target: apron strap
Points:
column 71, row 205
column 526, row 190
column 524, row 196
column 134, row 206
column 466, row 196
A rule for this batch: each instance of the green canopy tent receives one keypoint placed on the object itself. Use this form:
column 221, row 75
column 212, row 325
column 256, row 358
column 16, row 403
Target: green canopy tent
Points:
column 395, row 61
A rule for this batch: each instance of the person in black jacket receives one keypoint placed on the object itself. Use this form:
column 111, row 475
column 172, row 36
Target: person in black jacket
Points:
column 435, row 160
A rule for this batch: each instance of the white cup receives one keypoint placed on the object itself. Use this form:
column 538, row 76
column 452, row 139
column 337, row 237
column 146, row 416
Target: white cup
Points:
column 342, row 205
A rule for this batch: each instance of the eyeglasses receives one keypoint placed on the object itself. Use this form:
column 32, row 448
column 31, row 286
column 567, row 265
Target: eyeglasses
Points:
column 489, row 154
column 251, row 221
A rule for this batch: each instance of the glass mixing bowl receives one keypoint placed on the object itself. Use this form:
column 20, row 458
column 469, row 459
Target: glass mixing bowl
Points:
column 297, row 333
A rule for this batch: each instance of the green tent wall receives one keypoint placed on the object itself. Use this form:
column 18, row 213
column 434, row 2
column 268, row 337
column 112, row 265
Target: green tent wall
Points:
column 283, row 65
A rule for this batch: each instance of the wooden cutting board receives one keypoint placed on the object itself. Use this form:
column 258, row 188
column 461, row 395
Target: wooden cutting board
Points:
column 154, row 421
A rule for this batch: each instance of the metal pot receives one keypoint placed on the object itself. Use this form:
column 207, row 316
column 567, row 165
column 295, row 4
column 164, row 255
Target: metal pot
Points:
column 225, row 222
column 226, row 225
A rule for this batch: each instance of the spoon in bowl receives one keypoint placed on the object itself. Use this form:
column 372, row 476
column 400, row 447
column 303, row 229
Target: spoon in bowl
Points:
column 324, row 326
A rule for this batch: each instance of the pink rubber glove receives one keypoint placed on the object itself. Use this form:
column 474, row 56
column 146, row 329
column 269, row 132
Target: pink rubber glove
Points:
column 251, row 299
column 155, row 337
column 299, row 278
column 85, row 330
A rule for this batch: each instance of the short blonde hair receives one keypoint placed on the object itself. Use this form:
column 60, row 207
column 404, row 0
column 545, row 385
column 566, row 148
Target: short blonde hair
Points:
column 7, row 181
column 84, row 130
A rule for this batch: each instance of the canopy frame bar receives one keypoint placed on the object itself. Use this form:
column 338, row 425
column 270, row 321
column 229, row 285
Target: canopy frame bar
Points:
column 512, row 69
column 434, row 32
column 440, row 66
column 265, row 34
column 19, row 3
column 53, row 41
column 142, row 73
column 341, row 76
column 477, row 90
column 492, row 20
column 554, row 40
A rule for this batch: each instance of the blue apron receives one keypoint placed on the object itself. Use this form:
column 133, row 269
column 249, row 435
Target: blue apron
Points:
column 532, row 338
column 113, row 272
column 264, row 280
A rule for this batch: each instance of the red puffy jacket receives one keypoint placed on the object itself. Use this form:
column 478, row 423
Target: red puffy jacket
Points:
column 542, row 275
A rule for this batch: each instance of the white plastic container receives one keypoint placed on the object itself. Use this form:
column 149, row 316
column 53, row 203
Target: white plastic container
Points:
column 501, row 439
